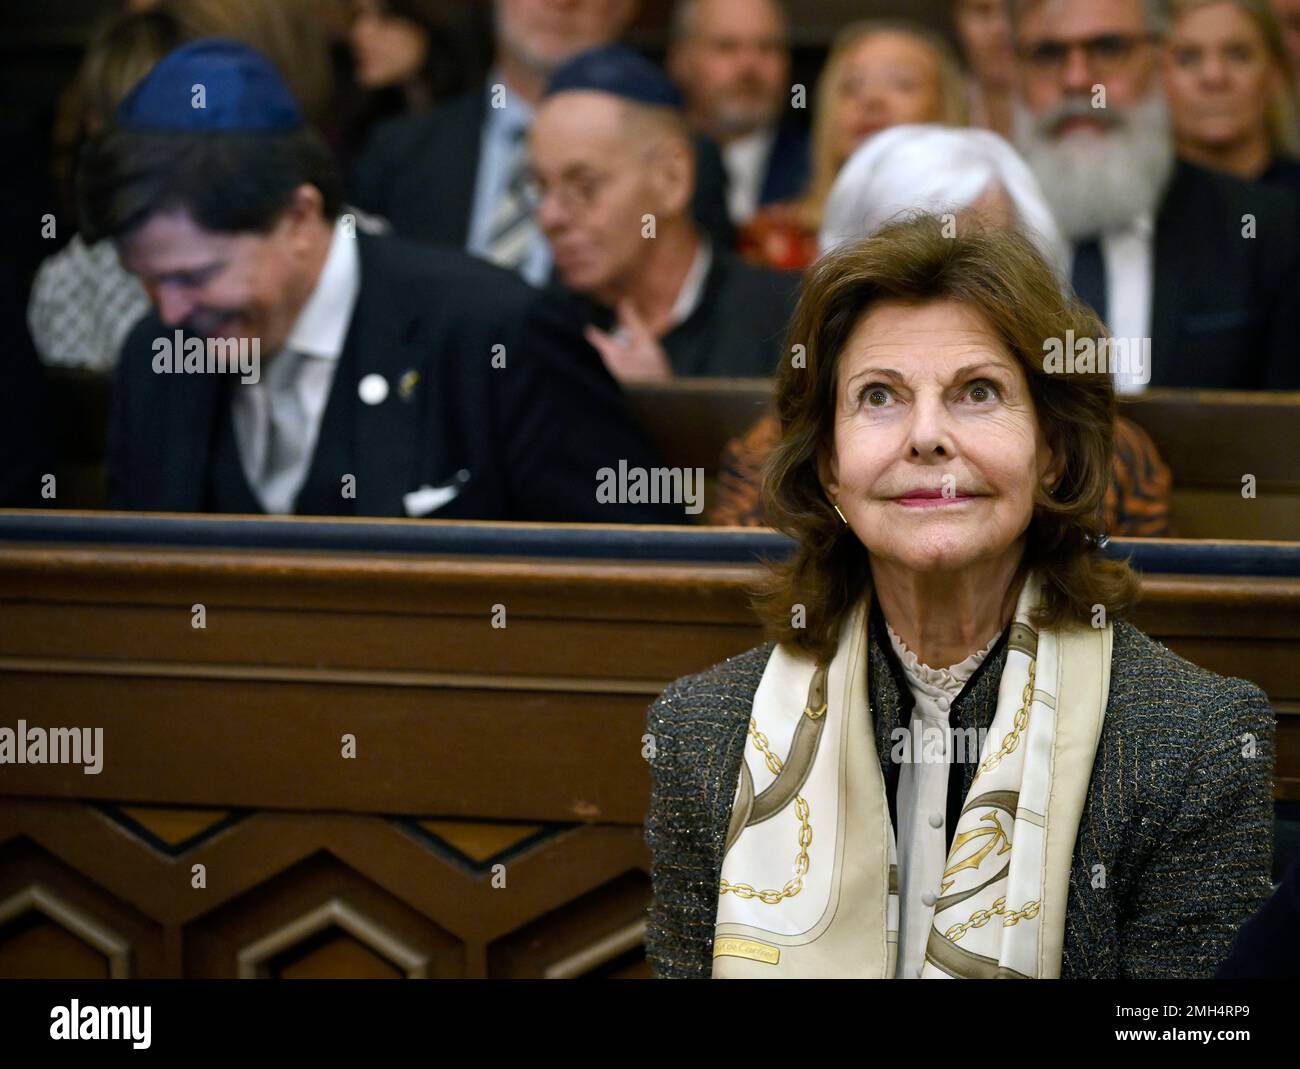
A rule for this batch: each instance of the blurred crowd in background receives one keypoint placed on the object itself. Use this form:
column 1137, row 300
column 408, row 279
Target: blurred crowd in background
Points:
column 449, row 129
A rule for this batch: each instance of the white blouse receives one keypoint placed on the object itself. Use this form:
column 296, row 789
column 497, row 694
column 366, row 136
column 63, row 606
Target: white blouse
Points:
column 923, row 797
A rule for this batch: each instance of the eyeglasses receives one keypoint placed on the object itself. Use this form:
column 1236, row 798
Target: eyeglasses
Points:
column 576, row 194
column 1107, row 53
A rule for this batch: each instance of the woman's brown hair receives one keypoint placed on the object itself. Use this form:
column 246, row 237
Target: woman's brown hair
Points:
column 999, row 273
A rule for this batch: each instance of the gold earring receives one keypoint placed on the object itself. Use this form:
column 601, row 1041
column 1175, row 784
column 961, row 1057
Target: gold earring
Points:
column 842, row 516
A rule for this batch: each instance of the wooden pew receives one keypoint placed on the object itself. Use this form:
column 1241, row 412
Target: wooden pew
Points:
column 1209, row 439
column 476, row 746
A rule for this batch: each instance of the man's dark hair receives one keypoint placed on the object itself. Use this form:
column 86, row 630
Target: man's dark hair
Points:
column 228, row 182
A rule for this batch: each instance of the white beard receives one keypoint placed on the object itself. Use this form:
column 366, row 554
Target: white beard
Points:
column 1097, row 183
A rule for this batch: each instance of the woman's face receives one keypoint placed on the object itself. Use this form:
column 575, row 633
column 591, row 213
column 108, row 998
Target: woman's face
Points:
column 888, row 79
column 1218, row 76
column 387, row 50
column 937, row 450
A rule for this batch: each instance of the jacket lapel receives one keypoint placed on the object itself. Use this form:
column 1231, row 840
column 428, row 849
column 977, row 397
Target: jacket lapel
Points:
column 382, row 341
column 191, row 414
column 1168, row 287
column 457, row 171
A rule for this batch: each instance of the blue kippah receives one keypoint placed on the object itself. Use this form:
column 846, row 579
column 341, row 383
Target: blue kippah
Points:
column 212, row 86
column 619, row 70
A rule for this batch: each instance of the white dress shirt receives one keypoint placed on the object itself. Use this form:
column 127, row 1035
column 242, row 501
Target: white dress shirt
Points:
column 923, row 800
column 318, row 334
column 746, row 162
column 1129, row 258
column 691, row 291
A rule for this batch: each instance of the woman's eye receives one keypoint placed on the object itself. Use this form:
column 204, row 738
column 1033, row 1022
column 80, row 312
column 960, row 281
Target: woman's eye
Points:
column 983, row 390
column 871, row 395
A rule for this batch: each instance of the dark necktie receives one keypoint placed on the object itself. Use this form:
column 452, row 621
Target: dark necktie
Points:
column 1089, row 275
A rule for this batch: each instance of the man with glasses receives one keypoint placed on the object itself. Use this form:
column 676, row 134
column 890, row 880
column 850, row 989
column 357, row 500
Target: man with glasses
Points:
column 1202, row 264
column 612, row 179
column 455, row 175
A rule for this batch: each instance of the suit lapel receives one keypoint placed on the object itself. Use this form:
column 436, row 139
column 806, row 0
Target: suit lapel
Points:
column 1168, row 289
column 191, row 415
column 458, row 171
column 382, row 342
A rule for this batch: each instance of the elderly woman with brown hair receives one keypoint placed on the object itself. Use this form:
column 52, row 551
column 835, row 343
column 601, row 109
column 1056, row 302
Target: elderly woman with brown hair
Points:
column 957, row 758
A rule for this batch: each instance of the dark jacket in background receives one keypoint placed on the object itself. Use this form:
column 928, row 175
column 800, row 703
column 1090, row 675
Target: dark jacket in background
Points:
column 1180, row 821
column 1224, row 310
column 26, row 448
column 1268, row 945
column 419, row 172
column 1283, row 173
column 531, row 435
column 736, row 331
column 787, row 165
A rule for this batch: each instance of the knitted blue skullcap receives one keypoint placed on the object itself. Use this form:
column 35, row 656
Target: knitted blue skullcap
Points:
column 212, row 86
column 619, row 70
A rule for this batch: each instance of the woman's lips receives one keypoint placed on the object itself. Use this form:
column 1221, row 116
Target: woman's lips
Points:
column 933, row 501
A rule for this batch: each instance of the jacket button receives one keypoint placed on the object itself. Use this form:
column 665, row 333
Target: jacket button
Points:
column 936, row 820
column 928, row 899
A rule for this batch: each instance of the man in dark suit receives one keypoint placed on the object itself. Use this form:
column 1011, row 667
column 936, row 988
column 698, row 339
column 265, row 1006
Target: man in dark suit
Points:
column 296, row 365
column 613, row 177
column 1203, row 265
column 731, row 59
column 455, row 175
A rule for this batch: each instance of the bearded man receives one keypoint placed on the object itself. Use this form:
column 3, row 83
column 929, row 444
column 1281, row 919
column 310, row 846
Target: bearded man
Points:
column 1204, row 265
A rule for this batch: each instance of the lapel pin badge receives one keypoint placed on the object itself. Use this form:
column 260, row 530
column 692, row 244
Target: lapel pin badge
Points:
column 373, row 389
column 407, row 384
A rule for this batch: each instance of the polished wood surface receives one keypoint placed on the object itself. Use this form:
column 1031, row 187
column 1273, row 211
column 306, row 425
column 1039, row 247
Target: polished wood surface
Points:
column 1210, row 439
column 483, row 754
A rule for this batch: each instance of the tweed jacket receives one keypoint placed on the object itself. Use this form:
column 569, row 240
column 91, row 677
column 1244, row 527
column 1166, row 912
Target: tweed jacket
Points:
column 1175, row 841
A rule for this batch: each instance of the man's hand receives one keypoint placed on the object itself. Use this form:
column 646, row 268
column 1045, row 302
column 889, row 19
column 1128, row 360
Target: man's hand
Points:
column 636, row 356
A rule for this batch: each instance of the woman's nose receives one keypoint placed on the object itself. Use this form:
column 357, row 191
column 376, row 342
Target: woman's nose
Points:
column 930, row 431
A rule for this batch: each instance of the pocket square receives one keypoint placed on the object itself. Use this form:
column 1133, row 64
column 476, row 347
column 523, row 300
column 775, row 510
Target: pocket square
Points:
column 428, row 499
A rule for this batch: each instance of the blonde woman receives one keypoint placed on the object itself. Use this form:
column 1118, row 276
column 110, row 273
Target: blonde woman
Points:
column 878, row 74
column 1230, row 96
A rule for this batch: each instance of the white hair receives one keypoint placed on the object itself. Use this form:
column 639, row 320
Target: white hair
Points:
column 936, row 169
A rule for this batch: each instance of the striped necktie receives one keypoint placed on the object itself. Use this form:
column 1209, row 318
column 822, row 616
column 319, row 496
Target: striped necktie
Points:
column 513, row 231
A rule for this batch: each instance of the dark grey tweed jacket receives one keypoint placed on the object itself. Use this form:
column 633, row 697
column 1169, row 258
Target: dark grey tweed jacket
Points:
column 1178, row 819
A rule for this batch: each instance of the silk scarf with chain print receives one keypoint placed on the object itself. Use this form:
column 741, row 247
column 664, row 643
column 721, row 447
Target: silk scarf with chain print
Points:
column 809, row 876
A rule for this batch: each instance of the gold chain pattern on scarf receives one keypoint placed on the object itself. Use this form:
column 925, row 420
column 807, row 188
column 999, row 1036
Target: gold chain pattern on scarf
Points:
column 795, row 885
column 981, row 917
column 1012, row 738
